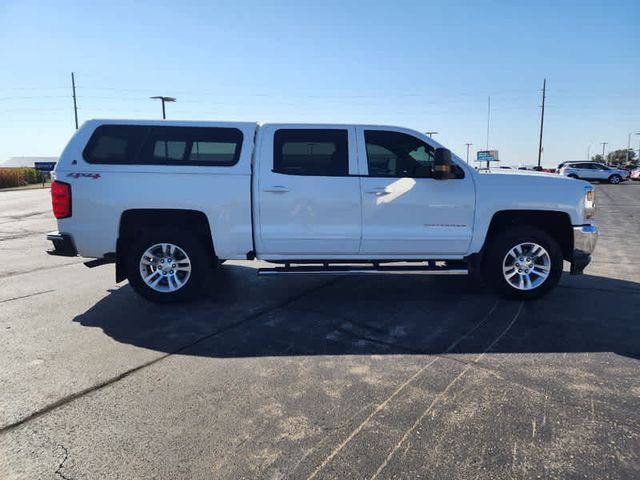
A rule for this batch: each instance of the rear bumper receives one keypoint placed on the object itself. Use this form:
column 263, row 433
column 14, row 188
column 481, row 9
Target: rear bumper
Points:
column 62, row 244
column 584, row 242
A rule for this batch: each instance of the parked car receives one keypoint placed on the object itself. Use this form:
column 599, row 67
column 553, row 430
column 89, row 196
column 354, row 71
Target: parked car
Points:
column 593, row 171
column 635, row 174
column 167, row 201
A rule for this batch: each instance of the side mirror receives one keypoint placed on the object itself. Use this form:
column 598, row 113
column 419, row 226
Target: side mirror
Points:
column 442, row 164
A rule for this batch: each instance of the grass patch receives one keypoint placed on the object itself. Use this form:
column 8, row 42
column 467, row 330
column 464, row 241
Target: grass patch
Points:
column 20, row 176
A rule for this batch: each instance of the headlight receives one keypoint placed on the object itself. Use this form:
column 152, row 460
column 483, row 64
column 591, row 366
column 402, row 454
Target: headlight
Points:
column 589, row 202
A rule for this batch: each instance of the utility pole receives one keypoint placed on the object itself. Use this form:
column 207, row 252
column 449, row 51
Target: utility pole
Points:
column 488, row 120
column 75, row 105
column 589, row 153
column 468, row 145
column 544, row 95
column 603, row 144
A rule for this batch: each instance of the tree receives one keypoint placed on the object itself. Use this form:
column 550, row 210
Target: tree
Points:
column 619, row 157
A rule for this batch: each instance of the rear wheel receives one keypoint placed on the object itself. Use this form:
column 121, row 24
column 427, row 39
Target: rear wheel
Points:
column 615, row 179
column 523, row 263
column 167, row 266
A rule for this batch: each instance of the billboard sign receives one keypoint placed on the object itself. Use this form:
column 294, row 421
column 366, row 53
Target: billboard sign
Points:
column 44, row 166
column 487, row 156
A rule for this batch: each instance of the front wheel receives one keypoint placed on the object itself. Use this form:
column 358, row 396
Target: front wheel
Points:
column 523, row 263
column 167, row 266
column 615, row 179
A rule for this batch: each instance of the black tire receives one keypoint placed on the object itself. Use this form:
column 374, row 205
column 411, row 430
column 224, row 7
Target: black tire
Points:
column 498, row 249
column 199, row 259
column 615, row 179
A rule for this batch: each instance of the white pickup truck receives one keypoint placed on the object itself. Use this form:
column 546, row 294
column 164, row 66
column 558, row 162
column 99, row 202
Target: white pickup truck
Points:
column 167, row 201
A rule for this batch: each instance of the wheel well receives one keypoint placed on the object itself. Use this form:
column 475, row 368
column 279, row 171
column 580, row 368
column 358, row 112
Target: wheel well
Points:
column 556, row 224
column 134, row 222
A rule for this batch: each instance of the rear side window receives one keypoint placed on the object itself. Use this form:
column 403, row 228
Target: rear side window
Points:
column 159, row 145
column 313, row 152
column 115, row 144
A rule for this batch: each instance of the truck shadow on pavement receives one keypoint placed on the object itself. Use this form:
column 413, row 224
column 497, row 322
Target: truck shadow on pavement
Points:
column 250, row 316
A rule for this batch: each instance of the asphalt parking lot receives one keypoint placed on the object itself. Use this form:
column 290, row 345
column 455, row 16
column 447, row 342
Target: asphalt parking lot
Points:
column 345, row 377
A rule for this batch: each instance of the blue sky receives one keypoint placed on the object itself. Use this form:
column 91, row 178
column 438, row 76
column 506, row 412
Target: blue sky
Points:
column 428, row 65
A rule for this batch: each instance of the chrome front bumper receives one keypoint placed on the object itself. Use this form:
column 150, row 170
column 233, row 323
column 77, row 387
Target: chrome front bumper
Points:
column 584, row 242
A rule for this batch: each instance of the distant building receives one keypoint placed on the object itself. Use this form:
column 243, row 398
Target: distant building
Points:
column 26, row 161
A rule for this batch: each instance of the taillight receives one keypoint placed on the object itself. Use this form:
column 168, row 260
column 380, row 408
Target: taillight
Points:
column 61, row 199
column 589, row 202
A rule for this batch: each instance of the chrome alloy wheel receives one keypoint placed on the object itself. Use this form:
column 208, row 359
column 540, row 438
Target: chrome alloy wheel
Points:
column 526, row 266
column 165, row 267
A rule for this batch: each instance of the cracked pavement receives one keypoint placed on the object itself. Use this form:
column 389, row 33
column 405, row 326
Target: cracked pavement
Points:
column 378, row 377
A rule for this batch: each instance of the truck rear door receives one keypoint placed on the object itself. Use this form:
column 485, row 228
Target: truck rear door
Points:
column 306, row 192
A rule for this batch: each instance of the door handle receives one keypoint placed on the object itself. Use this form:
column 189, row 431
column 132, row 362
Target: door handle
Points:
column 277, row 189
column 379, row 192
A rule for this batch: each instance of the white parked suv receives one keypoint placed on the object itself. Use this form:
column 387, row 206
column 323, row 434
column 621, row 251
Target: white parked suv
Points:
column 167, row 201
column 593, row 171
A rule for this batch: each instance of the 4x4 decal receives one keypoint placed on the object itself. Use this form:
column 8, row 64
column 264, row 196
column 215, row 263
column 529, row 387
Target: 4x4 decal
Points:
column 95, row 176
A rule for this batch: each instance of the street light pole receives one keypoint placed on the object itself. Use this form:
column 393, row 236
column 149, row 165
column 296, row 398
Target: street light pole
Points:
column 431, row 134
column 468, row 145
column 163, row 100
column 589, row 153
column 603, row 145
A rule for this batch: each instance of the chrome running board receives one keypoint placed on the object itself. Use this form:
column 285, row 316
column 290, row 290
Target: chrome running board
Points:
column 325, row 269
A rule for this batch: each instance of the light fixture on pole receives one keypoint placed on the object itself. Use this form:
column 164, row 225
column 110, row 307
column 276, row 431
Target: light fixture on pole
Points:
column 163, row 99
column 431, row 134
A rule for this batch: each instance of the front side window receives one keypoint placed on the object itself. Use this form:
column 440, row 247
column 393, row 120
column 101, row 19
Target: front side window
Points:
column 395, row 154
column 159, row 145
column 313, row 152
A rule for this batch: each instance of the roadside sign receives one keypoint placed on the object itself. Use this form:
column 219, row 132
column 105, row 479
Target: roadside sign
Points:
column 44, row 166
column 487, row 156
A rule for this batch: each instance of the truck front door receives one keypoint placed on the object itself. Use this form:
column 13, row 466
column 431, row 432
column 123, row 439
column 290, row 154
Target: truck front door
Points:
column 406, row 212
